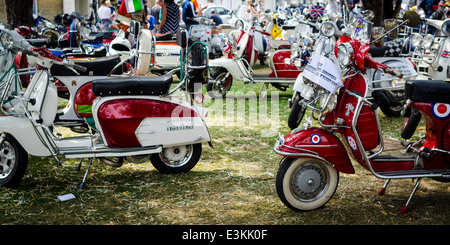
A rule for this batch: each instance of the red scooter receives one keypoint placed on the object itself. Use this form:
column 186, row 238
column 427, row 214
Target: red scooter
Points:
column 308, row 175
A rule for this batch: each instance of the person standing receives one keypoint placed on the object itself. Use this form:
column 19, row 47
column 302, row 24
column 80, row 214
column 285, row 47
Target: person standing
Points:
column 105, row 15
column 155, row 12
column 189, row 13
column 170, row 20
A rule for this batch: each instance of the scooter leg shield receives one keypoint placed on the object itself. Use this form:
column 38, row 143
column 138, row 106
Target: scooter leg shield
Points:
column 22, row 130
column 317, row 143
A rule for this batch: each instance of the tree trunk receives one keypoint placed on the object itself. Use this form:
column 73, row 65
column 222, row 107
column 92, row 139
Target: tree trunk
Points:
column 383, row 9
column 19, row 12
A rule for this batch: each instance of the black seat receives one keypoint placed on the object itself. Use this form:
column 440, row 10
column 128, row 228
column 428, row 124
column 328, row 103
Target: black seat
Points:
column 377, row 51
column 101, row 66
column 136, row 85
column 431, row 91
column 164, row 37
column 286, row 27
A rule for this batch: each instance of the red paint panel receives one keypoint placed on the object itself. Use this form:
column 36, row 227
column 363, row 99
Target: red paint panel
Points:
column 283, row 70
column 120, row 118
column 84, row 96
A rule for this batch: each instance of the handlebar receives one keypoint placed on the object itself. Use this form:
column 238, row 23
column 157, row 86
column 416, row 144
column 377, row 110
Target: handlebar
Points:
column 66, row 63
column 260, row 31
column 393, row 73
column 79, row 68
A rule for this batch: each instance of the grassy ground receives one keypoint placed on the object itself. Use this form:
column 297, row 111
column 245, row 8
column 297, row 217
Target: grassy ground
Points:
column 234, row 183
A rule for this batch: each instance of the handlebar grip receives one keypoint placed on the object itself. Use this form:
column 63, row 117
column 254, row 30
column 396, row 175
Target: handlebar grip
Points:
column 28, row 52
column 79, row 68
column 393, row 73
column 265, row 33
column 260, row 31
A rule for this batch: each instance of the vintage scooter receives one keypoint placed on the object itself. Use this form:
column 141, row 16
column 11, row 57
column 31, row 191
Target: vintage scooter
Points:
column 313, row 156
column 209, row 34
column 156, row 124
column 241, row 56
column 323, row 43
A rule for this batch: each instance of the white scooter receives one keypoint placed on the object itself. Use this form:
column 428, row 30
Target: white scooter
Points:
column 209, row 34
column 136, row 118
column 431, row 54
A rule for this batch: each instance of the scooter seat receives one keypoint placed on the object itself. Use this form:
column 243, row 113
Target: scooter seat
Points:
column 101, row 66
column 164, row 37
column 431, row 91
column 137, row 85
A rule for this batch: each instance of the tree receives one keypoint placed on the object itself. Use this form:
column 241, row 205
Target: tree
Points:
column 383, row 9
column 19, row 12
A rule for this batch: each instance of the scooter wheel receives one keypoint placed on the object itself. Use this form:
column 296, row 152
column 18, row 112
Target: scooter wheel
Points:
column 297, row 112
column 13, row 162
column 305, row 184
column 177, row 159
column 222, row 84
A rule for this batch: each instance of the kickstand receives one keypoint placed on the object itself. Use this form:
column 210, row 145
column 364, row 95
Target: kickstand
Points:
column 405, row 208
column 383, row 189
column 79, row 165
column 81, row 186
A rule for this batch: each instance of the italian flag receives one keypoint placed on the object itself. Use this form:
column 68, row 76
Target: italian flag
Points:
column 130, row 6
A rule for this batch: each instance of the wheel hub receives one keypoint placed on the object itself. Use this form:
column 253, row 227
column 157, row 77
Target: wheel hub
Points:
column 308, row 183
column 176, row 156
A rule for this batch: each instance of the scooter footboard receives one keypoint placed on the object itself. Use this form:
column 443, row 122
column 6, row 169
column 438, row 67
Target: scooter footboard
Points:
column 315, row 143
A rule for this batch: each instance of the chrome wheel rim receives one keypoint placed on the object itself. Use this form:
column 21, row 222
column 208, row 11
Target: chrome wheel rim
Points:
column 176, row 156
column 7, row 159
column 309, row 182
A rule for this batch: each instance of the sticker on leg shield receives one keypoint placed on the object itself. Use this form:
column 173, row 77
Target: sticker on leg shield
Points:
column 315, row 139
column 352, row 142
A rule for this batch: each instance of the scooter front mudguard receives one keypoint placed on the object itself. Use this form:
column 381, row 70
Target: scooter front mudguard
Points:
column 298, row 85
column 315, row 143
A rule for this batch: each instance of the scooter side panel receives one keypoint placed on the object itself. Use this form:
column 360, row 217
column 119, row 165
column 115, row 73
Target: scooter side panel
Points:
column 318, row 142
column 136, row 122
column 281, row 68
column 236, row 68
column 437, row 117
column 83, row 100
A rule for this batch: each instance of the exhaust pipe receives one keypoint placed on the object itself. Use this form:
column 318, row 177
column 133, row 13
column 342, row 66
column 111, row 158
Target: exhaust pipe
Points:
column 112, row 163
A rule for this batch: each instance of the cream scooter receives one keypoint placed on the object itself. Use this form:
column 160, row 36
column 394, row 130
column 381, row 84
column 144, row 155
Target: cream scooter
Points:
column 241, row 56
column 156, row 124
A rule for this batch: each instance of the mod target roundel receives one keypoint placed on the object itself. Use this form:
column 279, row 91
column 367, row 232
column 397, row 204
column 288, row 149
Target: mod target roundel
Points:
column 440, row 111
column 315, row 139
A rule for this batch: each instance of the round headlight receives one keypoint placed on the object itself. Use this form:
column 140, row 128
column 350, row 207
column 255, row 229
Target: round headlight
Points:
column 416, row 39
column 327, row 29
column 7, row 40
column 307, row 42
column 446, row 27
column 427, row 40
column 345, row 51
column 294, row 51
column 328, row 104
column 293, row 39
